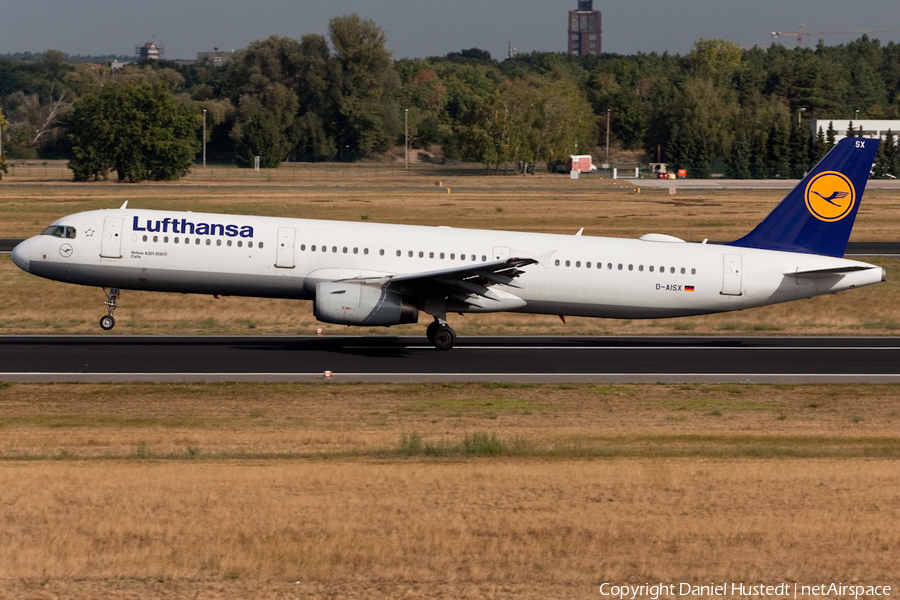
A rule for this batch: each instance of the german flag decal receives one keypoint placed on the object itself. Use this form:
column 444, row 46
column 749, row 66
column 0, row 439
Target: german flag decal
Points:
column 689, row 288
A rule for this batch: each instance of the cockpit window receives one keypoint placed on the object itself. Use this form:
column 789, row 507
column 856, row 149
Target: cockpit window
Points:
column 60, row 231
column 55, row 230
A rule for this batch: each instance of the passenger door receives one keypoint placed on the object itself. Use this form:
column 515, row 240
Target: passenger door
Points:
column 111, row 243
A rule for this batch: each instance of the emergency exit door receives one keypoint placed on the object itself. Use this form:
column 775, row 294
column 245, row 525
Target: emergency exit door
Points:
column 284, row 253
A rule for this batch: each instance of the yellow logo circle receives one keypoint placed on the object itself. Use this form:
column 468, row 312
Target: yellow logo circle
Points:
column 830, row 196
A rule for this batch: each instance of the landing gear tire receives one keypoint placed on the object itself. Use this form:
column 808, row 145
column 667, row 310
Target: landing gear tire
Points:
column 112, row 301
column 431, row 330
column 444, row 337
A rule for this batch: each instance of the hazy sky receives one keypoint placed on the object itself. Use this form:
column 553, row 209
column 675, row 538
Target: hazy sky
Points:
column 419, row 28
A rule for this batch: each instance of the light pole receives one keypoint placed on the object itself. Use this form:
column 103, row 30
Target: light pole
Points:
column 204, row 138
column 406, row 139
column 607, row 137
column 800, row 111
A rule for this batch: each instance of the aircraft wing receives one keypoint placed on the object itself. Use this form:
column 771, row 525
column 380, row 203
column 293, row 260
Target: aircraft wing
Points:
column 464, row 283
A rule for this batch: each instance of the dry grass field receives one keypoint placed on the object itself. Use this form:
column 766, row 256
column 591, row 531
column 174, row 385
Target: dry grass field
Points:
column 441, row 491
column 547, row 203
column 456, row 491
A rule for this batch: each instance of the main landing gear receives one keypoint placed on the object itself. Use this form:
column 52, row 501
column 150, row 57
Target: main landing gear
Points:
column 440, row 334
column 107, row 321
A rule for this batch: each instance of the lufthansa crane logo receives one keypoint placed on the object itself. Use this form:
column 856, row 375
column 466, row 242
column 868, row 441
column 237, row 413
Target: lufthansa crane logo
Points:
column 830, row 196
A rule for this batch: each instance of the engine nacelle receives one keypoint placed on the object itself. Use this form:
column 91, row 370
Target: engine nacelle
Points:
column 356, row 304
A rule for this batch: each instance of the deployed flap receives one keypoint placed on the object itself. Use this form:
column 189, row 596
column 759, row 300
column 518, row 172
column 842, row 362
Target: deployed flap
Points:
column 463, row 281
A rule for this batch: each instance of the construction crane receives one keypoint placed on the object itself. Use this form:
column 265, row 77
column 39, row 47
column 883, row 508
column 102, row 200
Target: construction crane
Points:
column 800, row 34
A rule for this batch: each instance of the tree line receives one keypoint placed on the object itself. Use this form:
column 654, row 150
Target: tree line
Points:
column 342, row 96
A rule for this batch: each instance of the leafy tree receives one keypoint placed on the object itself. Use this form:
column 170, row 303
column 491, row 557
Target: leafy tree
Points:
column 137, row 130
column 715, row 59
column 3, row 125
column 263, row 127
column 368, row 113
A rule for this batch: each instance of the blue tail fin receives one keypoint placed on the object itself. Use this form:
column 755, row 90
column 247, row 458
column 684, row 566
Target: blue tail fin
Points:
column 817, row 216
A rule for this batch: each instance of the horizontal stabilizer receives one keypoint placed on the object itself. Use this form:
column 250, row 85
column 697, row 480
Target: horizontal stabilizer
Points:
column 832, row 271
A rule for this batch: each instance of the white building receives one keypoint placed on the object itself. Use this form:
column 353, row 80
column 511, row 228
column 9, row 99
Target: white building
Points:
column 870, row 128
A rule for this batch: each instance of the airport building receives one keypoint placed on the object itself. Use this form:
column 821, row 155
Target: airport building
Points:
column 584, row 29
column 871, row 128
column 216, row 57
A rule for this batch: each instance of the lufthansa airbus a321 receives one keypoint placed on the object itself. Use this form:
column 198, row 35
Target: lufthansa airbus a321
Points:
column 378, row 274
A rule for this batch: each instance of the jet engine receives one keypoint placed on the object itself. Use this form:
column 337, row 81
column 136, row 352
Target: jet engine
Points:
column 357, row 304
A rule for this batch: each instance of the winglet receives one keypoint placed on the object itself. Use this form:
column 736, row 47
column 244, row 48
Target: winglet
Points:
column 124, row 206
column 817, row 216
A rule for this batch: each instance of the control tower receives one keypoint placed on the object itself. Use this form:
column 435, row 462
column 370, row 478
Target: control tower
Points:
column 584, row 29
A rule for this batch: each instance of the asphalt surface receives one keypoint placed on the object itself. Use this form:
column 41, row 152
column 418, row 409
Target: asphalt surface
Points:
column 108, row 358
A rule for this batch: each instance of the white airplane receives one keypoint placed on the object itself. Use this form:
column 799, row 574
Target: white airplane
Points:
column 379, row 274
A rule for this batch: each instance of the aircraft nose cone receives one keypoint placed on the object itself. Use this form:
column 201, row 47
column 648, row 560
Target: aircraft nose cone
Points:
column 21, row 255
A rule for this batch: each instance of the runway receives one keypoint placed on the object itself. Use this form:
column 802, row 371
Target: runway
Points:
column 410, row 359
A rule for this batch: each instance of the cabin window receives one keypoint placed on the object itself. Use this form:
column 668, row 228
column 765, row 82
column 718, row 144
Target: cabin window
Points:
column 641, row 268
column 631, row 267
column 671, row 269
column 155, row 238
column 442, row 256
column 620, row 266
column 356, row 251
column 218, row 242
column 693, row 271
column 175, row 240
column 577, row 263
column 609, row 266
column 483, row 258
column 209, row 241
column 568, row 263
column 312, row 248
column 260, row 244
column 165, row 239
column 381, row 252
column 682, row 270
column 421, row 254
column 662, row 269
column 453, row 256
column 398, row 253
column 365, row 250
column 228, row 243
column 240, row 243
column 345, row 249
column 587, row 265
column 145, row 238
column 651, row 268
column 557, row 262
column 473, row 258
column 431, row 255
column 249, row 244
column 197, row 241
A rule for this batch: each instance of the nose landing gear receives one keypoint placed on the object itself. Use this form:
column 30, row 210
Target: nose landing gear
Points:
column 107, row 321
column 440, row 334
